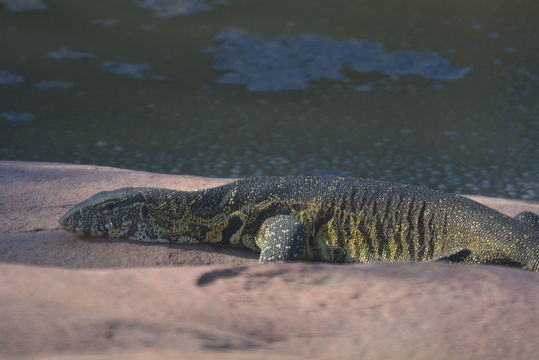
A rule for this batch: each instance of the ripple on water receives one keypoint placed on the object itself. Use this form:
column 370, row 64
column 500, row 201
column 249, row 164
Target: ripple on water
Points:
column 288, row 63
column 439, row 172
column 24, row 5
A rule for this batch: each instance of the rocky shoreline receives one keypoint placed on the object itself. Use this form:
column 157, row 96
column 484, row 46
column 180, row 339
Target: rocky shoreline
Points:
column 64, row 297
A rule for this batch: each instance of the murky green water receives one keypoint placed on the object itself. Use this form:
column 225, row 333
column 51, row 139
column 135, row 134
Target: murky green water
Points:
column 443, row 94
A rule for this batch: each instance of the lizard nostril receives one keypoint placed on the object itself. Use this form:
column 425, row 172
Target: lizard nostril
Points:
column 63, row 221
column 66, row 221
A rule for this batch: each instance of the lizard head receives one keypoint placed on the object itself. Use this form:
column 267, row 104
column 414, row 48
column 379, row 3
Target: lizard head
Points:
column 109, row 213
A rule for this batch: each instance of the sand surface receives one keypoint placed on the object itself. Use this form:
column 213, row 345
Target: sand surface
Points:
column 62, row 297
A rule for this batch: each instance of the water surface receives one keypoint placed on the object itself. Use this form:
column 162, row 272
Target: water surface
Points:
column 443, row 94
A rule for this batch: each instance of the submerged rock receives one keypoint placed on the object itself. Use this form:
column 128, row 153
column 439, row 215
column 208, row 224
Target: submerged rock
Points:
column 17, row 116
column 288, row 63
column 53, row 84
column 135, row 71
column 170, row 8
column 7, row 78
column 66, row 53
column 24, row 5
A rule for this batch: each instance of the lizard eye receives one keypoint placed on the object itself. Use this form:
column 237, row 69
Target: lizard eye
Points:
column 108, row 206
column 143, row 211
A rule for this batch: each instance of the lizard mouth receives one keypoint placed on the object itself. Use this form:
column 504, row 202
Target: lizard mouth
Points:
column 117, row 230
column 70, row 222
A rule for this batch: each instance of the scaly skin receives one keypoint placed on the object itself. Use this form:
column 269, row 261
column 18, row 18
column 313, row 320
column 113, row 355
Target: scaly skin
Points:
column 316, row 218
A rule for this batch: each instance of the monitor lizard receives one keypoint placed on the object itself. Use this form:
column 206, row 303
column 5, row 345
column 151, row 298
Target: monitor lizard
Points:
column 333, row 219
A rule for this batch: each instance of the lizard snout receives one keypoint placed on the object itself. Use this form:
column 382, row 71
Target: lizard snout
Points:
column 66, row 221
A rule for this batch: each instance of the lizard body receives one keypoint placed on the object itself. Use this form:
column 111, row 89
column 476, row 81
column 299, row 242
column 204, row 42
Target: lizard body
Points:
column 330, row 219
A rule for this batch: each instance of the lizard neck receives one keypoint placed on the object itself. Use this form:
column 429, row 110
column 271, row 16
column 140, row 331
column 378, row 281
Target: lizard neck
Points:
column 206, row 215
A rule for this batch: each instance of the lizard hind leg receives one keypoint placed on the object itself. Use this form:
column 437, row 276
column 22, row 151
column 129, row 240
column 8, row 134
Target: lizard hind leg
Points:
column 281, row 238
column 457, row 257
column 487, row 257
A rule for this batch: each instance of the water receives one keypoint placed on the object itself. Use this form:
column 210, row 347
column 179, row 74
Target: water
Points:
column 443, row 94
